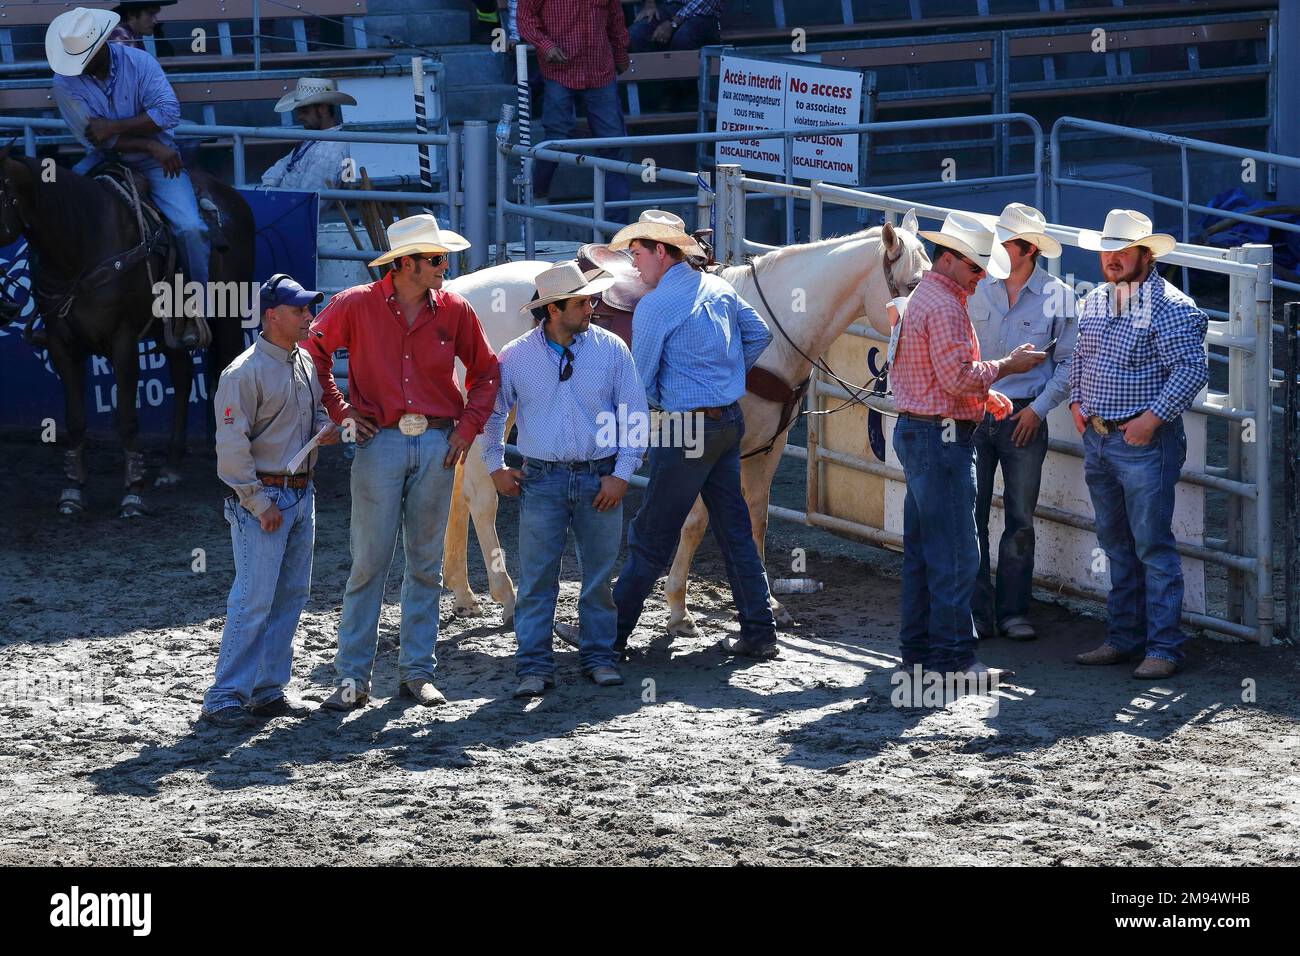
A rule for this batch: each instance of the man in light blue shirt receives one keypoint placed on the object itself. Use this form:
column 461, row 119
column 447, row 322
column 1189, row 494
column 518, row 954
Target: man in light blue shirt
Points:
column 116, row 99
column 1028, row 306
column 693, row 339
column 583, row 427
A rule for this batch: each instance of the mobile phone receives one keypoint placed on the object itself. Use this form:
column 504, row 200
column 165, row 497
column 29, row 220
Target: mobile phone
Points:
column 1050, row 345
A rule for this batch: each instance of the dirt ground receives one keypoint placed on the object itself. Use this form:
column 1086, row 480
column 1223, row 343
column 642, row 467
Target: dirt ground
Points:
column 108, row 638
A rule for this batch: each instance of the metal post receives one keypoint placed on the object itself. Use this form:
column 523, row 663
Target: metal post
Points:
column 257, row 36
column 29, row 141
column 503, row 191
column 1291, row 468
column 453, row 179
column 1236, row 598
column 422, row 126
column 597, row 204
column 1259, row 515
column 788, row 202
column 1187, row 233
column 530, row 246
column 724, row 215
column 815, row 212
column 704, row 205
column 238, row 142
column 477, row 156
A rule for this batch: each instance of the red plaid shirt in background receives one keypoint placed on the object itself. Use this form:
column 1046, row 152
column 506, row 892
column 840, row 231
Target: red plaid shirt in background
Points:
column 937, row 368
column 591, row 33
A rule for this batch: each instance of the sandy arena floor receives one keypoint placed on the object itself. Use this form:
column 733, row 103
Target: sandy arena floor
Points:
column 698, row 759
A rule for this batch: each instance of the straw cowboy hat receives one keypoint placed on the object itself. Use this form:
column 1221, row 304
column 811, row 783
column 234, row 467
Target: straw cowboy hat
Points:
column 975, row 240
column 1124, row 229
column 312, row 89
column 73, row 38
column 1019, row 221
column 565, row 280
column 656, row 225
column 417, row 234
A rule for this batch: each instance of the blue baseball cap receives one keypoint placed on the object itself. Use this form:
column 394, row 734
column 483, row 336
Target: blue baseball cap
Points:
column 281, row 289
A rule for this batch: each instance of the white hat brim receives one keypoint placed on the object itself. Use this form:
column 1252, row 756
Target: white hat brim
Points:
column 451, row 242
column 594, row 286
column 656, row 232
column 64, row 63
column 1160, row 243
column 290, row 102
column 1049, row 247
column 997, row 263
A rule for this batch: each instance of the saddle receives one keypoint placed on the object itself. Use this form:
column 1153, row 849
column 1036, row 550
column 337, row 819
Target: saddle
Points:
column 122, row 178
column 616, row 304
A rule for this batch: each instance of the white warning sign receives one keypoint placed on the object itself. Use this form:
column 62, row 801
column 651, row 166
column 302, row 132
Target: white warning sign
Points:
column 766, row 95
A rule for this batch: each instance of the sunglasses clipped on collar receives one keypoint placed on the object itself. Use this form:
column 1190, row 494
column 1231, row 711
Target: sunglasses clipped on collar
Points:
column 566, row 371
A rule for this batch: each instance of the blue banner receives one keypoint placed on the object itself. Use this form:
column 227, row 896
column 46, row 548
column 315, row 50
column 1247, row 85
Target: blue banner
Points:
column 30, row 392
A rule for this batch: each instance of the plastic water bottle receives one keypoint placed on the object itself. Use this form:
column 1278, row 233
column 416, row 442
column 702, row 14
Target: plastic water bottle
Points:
column 795, row 586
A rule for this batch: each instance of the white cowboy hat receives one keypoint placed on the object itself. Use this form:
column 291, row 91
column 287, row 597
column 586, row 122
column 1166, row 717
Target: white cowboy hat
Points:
column 417, row 234
column 313, row 89
column 1019, row 221
column 974, row 239
column 1125, row 228
column 74, row 37
column 565, row 280
column 658, row 226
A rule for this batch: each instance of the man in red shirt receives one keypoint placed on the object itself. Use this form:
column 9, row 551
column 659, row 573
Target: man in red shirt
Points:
column 941, row 390
column 403, row 335
column 581, row 47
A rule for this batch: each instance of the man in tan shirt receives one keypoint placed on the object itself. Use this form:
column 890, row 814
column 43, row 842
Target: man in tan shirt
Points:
column 268, row 406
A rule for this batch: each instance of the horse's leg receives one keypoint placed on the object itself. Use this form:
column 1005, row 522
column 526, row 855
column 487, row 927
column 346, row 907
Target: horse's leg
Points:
column 680, row 622
column 455, row 573
column 482, row 495
column 756, row 479
column 126, row 371
column 71, row 370
column 181, row 367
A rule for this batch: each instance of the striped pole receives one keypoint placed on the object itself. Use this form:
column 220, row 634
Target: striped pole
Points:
column 523, row 101
column 422, row 125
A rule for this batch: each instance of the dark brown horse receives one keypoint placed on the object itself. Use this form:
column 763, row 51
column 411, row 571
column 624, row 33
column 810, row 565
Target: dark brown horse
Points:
column 73, row 224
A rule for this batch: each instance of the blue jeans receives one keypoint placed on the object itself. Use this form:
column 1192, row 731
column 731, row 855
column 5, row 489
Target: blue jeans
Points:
column 694, row 32
column 272, row 581
column 175, row 200
column 675, row 482
column 555, row 498
column 397, row 481
column 940, row 545
column 604, row 116
column 1022, row 473
column 1132, row 489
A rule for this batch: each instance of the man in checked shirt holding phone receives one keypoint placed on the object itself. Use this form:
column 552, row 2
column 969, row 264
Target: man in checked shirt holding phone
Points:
column 942, row 390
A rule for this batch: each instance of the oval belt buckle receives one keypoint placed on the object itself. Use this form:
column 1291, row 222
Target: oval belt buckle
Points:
column 411, row 424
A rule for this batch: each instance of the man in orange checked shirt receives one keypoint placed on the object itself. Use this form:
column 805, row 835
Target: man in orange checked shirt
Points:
column 942, row 390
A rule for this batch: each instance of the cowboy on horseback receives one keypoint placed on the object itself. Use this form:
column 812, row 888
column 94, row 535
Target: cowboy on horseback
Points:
column 116, row 100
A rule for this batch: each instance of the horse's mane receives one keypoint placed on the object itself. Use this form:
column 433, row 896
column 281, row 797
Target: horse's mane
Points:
column 770, row 260
column 67, row 200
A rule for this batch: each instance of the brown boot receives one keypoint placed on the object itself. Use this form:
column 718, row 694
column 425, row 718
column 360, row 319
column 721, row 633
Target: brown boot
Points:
column 422, row 692
column 1106, row 654
column 1155, row 668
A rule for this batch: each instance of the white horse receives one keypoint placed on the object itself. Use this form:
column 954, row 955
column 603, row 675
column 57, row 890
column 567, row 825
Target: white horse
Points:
column 835, row 281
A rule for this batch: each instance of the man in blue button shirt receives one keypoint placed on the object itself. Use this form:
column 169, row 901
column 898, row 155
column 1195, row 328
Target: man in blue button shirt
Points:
column 1139, row 364
column 116, row 98
column 693, row 339
column 583, row 426
column 1027, row 306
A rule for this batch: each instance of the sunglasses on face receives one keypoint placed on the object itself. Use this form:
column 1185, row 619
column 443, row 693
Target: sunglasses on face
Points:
column 435, row 260
column 972, row 266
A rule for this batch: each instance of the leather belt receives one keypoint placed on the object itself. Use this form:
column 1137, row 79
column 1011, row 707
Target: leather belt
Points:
column 713, row 413
column 1104, row 426
column 593, row 465
column 432, row 423
column 937, row 419
column 284, row 481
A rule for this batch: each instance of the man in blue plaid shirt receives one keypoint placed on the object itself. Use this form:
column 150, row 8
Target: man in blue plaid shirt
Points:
column 1139, row 364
